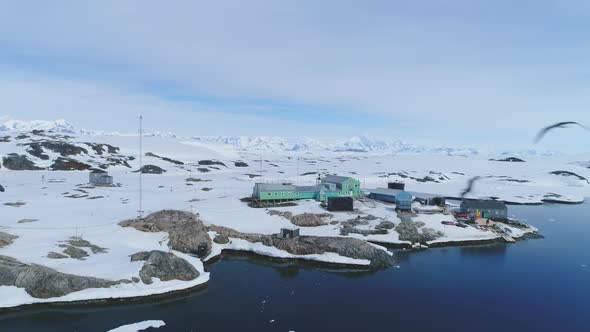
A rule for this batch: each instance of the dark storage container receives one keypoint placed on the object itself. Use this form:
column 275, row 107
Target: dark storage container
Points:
column 340, row 204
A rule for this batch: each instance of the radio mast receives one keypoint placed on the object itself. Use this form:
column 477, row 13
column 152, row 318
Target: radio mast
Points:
column 140, row 211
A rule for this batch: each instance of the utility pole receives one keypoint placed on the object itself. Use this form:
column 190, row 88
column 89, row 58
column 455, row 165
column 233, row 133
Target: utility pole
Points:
column 298, row 170
column 140, row 211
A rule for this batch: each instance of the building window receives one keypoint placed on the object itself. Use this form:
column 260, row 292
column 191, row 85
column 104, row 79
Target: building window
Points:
column 283, row 194
column 296, row 194
column 276, row 194
column 269, row 194
column 289, row 194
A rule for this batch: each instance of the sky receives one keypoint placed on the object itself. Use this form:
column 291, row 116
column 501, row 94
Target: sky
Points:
column 475, row 73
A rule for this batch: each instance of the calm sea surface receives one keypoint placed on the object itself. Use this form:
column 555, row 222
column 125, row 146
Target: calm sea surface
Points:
column 533, row 285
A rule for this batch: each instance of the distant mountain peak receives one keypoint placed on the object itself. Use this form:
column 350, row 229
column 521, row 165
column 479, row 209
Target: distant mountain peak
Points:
column 59, row 126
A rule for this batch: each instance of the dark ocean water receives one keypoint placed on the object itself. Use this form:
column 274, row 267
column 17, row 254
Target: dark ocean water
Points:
column 533, row 285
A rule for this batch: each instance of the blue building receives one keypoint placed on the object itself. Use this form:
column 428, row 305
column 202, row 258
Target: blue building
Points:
column 402, row 199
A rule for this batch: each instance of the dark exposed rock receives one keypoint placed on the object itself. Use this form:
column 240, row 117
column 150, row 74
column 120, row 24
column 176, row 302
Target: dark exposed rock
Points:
column 568, row 173
column 15, row 204
column 135, row 279
column 346, row 229
column 22, row 136
column 408, row 231
column 176, row 162
column 65, row 149
column 240, row 164
column 191, row 179
column 151, row 169
column 307, row 245
column 100, row 148
column 117, row 161
column 221, row 239
column 510, row 160
column 36, row 150
column 186, row 231
column 385, row 224
column 24, row 221
column 56, row 255
column 203, row 170
column 164, row 266
column 68, row 164
column 6, row 239
column 4, row 139
column 211, row 163
column 206, row 189
column 309, row 219
column 80, row 243
column 18, row 162
column 74, row 252
column 1, row 189
column 43, row 282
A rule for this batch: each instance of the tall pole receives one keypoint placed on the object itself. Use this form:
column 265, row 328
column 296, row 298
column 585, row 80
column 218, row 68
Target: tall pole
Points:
column 140, row 212
column 298, row 170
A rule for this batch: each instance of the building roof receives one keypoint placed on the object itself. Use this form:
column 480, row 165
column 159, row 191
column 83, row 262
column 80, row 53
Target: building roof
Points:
column 335, row 178
column 483, row 204
column 385, row 191
column 398, row 194
column 275, row 187
column 309, row 188
column 98, row 171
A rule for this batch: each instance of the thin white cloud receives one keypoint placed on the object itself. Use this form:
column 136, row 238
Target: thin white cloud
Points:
column 439, row 64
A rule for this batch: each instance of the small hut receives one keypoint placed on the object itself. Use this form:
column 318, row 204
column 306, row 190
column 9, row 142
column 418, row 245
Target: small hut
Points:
column 396, row 185
column 100, row 178
column 289, row 233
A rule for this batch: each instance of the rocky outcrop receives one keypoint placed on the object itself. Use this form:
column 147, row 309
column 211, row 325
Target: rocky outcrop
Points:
column 304, row 219
column 306, row 245
column 151, row 169
column 56, row 255
column 385, row 224
column 310, row 219
column 18, row 162
column 43, row 282
column 6, row 239
column 68, row 164
column 409, row 231
column 74, row 252
column 210, row 163
column 221, row 239
column 1, row 189
column 100, row 148
column 65, row 149
column 240, row 164
column 164, row 266
column 176, row 162
column 510, row 160
column 568, row 173
column 186, row 232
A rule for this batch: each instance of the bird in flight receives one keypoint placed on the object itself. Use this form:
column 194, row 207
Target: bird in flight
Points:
column 469, row 186
column 564, row 124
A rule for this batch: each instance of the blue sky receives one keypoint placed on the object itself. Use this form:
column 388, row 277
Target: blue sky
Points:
column 474, row 73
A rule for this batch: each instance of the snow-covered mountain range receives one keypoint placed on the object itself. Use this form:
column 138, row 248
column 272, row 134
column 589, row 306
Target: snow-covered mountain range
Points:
column 256, row 144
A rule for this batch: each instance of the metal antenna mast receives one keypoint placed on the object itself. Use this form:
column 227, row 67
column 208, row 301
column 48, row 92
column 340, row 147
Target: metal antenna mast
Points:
column 140, row 211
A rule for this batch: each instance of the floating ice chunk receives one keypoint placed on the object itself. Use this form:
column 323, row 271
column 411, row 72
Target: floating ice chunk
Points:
column 135, row 327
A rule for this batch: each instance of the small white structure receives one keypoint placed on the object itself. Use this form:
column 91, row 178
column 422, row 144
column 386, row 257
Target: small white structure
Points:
column 100, row 178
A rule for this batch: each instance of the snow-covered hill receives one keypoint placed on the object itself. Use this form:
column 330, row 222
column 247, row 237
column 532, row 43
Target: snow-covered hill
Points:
column 46, row 199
